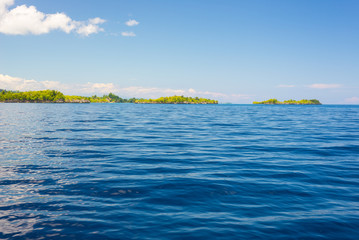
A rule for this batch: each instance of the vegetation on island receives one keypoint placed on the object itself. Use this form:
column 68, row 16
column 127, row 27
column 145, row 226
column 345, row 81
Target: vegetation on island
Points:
column 177, row 100
column 111, row 98
column 46, row 96
column 53, row 96
column 291, row 102
column 76, row 99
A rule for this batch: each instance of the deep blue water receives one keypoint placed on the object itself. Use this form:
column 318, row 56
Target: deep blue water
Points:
column 126, row 171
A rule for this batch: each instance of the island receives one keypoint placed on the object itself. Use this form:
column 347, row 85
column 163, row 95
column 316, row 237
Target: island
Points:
column 44, row 96
column 177, row 100
column 274, row 101
column 53, row 96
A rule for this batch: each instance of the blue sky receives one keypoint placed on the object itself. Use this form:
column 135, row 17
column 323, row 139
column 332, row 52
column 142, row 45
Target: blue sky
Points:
column 231, row 50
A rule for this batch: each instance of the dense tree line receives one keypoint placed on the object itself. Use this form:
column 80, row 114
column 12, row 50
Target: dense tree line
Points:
column 111, row 98
column 56, row 97
column 32, row 96
column 178, row 100
column 53, row 96
column 291, row 102
column 77, row 99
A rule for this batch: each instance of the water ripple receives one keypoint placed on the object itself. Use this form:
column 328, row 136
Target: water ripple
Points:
column 126, row 171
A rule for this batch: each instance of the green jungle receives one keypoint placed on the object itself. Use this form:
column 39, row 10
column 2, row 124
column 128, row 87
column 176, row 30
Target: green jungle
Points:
column 291, row 102
column 53, row 96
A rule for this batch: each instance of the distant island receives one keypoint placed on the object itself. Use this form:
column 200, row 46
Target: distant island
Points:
column 53, row 96
column 177, row 100
column 291, row 102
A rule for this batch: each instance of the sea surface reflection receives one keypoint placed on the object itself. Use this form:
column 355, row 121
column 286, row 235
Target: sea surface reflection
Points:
column 127, row 171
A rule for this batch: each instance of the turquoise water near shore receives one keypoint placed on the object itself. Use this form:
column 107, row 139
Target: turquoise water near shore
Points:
column 127, row 171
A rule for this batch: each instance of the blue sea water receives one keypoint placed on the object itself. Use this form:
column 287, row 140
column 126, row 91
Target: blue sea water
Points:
column 127, row 171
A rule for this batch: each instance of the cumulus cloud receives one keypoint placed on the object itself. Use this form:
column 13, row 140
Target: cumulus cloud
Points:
column 191, row 90
column 128, row 34
column 90, row 28
column 96, row 21
column 285, row 86
column 221, row 96
column 23, row 20
column 151, row 92
column 21, row 84
column 132, row 23
column 324, row 86
column 92, row 88
column 4, row 4
column 15, row 83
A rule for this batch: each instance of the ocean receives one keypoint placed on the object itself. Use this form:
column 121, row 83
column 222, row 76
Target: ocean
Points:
column 138, row 171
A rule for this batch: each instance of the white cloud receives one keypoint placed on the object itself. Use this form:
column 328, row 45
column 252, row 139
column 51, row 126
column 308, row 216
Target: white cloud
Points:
column 132, row 23
column 14, row 83
column 352, row 100
column 151, row 92
column 285, row 86
column 91, row 27
column 324, row 86
column 23, row 20
column 128, row 34
column 92, row 88
column 191, row 90
column 4, row 4
column 96, row 20
column 217, row 95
